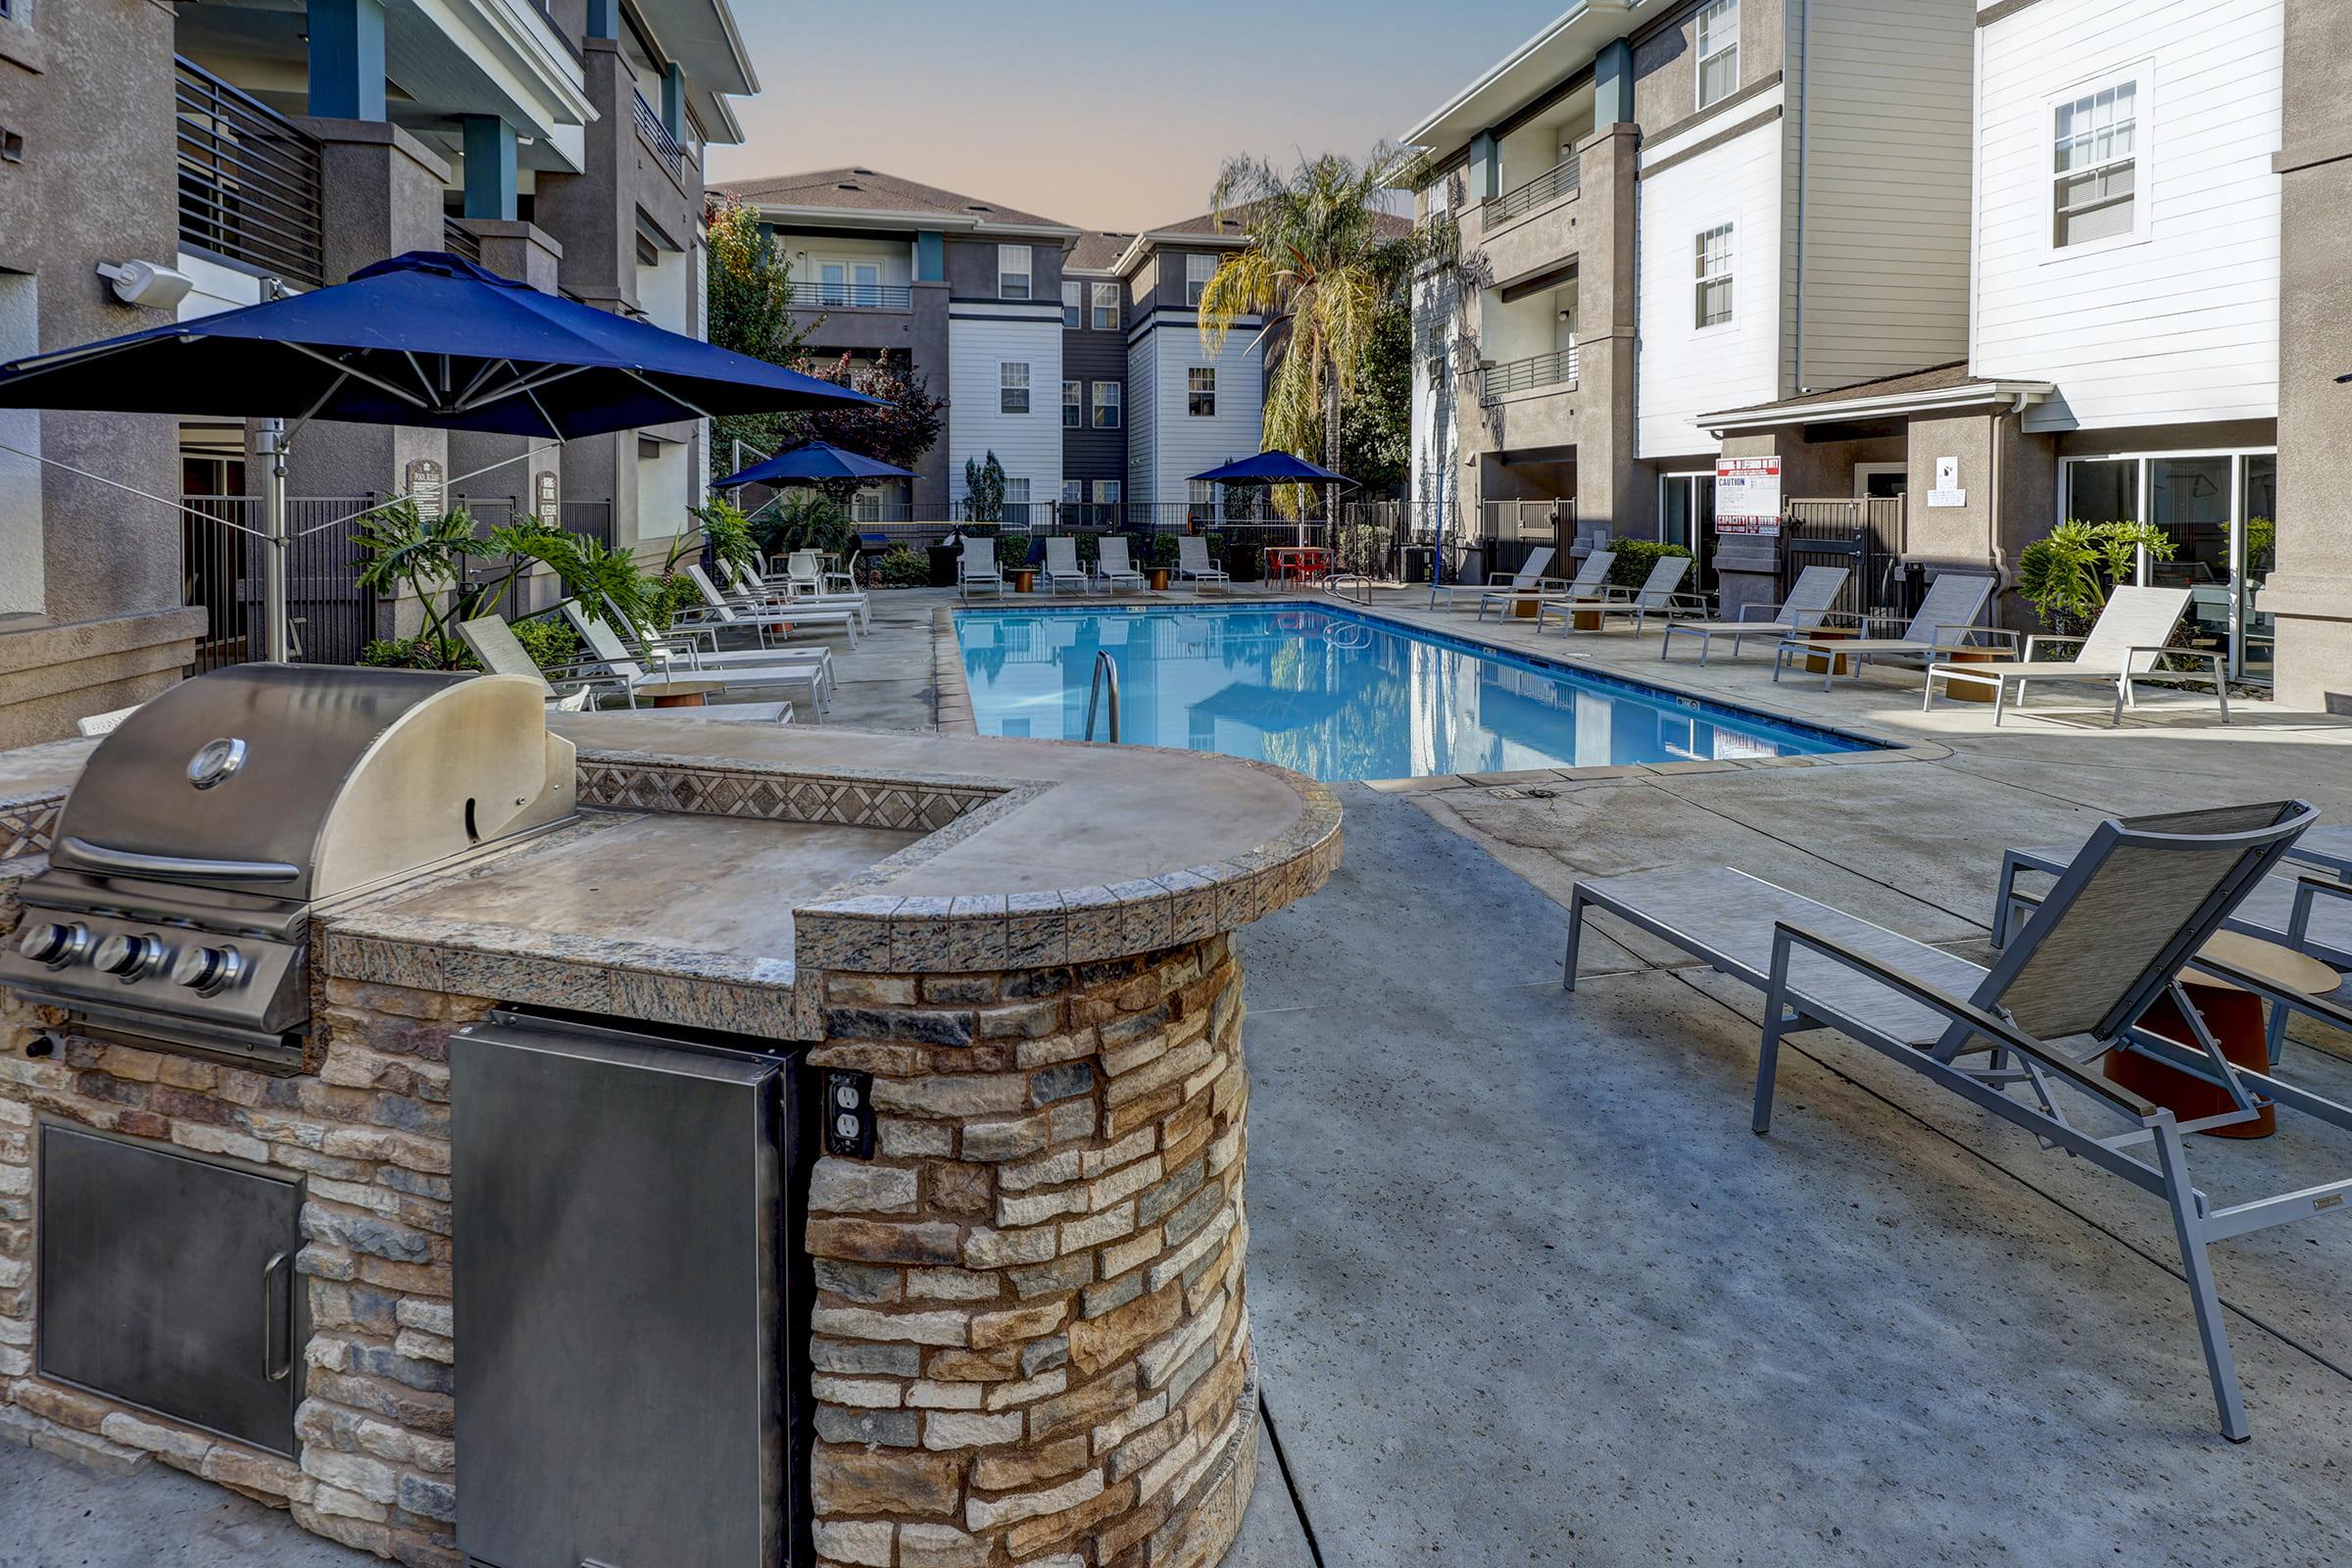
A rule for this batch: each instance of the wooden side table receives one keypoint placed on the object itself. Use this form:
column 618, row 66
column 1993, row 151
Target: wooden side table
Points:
column 1823, row 663
column 1971, row 690
column 680, row 692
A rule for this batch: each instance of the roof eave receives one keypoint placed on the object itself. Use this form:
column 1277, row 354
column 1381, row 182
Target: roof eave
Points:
column 1969, row 393
column 1439, row 136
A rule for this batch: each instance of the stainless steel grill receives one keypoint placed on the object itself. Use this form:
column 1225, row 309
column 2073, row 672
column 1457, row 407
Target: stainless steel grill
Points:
column 208, row 829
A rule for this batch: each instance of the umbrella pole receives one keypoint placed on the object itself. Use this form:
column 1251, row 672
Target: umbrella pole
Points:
column 276, row 644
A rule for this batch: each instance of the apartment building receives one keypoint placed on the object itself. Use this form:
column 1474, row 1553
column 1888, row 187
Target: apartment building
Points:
column 1668, row 207
column 253, row 147
column 1074, row 355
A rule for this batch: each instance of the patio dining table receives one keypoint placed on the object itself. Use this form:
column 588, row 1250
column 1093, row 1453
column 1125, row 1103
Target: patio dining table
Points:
column 1285, row 562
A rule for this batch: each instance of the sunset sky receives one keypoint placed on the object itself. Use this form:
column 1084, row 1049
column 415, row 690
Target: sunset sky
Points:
column 1102, row 116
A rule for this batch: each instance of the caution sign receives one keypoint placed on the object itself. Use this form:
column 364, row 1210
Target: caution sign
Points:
column 1747, row 495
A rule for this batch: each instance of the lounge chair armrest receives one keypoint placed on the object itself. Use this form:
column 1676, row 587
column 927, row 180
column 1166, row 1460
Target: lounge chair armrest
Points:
column 1991, row 1026
column 1850, row 618
column 2209, row 656
column 2036, row 641
column 1770, row 613
column 2273, row 993
column 1989, row 632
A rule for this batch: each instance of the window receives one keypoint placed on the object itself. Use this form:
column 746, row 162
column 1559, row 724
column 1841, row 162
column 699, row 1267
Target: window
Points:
column 1106, row 405
column 1201, row 388
column 1013, row 272
column 1073, row 307
column 1016, row 500
column 1073, row 492
column 1715, row 276
column 1197, row 271
column 1718, row 50
column 1012, row 389
column 1106, row 307
column 1073, row 405
column 1107, row 491
column 2096, row 162
column 1201, row 496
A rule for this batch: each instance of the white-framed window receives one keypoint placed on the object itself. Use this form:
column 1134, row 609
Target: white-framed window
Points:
column 1107, row 491
column 1073, row 492
column 2098, row 155
column 1106, row 405
column 1073, row 405
column 1197, row 271
column 1106, row 307
column 1714, row 252
column 1013, row 272
column 1201, row 494
column 1073, row 307
column 1718, row 50
column 1012, row 387
column 1201, row 392
column 1016, row 500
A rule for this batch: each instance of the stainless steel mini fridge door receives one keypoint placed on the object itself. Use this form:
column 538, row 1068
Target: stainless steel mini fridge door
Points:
column 617, row 1203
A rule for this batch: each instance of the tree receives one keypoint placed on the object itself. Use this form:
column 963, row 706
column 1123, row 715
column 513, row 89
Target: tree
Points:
column 984, row 488
column 899, row 432
column 1376, row 425
column 748, row 308
column 1319, row 270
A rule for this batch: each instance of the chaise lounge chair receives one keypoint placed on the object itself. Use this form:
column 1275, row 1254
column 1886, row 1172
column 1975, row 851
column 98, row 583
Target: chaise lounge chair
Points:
column 1809, row 599
column 2123, row 646
column 1114, row 568
column 502, row 653
column 799, row 592
column 765, row 611
column 1590, row 582
column 1947, row 616
column 1656, row 597
column 1062, row 565
column 1194, row 565
column 2129, row 911
column 1529, row 578
column 683, row 658
column 976, row 569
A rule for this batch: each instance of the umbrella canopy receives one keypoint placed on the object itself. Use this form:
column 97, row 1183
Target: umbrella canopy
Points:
column 425, row 339
column 813, row 463
column 1273, row 467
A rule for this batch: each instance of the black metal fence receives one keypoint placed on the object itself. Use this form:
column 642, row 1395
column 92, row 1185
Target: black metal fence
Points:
column 1860, row 535
column 331, row 617
column 250, row 180
column 1366, row 537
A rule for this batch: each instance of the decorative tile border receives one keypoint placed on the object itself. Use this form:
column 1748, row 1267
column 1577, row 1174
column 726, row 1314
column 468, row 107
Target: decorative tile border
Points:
column 703, row 788
column 28, row 822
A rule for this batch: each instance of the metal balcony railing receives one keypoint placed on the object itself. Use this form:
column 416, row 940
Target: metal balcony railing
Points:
column 250, row 183
column 853, row 297
column 1555, row 370
column 1558, row 180
column 657, row 137
column 459, row 240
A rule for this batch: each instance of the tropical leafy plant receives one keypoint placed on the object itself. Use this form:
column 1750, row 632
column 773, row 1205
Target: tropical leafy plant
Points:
column 417, row 653
column 2067, row 574
column 804, row 519
column 984, row 489
column 728, row 533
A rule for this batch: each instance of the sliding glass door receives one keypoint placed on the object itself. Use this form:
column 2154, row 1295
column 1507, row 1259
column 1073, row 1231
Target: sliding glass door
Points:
column 1686, row 518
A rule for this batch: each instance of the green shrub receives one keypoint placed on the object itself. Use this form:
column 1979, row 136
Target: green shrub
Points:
column 1635, row 558
column 667, row 595
column 1090, row 550
column 417, row 653
column 1013, row 552
column 902, row 567
column 1165, row 550
column 550, row 642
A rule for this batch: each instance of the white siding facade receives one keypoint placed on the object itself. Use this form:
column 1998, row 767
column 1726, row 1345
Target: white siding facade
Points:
column 1437, row 389
column 1143, row 410
column 2178, row 322
column 981, row 339
column 1181, row 443
column 1684, row 369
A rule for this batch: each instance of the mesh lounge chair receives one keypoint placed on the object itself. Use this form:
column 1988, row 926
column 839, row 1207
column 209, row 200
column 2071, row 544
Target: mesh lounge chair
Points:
column 1947, row 616
column 495, row 643
column 761, row 611
column 1194, row 565
column 2123, row 647
column 1529, row 578
column 976, row 570
column 799, row 592
column 608, row 657
column 681, row 659
column 1062, row 565
column 1590, row 582
column 1114, row 568
column 2128, row 913
column 1656, row 597
column 1809, row 599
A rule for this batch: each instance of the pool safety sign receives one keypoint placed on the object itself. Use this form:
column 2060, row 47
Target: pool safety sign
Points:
column 1747, row 495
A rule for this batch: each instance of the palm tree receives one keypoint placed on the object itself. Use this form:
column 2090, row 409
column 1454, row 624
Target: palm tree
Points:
column 1319, row 265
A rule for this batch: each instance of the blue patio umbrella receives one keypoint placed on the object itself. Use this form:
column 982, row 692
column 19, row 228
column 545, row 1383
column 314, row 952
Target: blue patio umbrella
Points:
column 815, row 462
column 1273, row 467
column 423, row 339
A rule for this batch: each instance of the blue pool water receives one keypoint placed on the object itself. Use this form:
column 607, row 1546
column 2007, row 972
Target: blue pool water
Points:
column 1338, row 696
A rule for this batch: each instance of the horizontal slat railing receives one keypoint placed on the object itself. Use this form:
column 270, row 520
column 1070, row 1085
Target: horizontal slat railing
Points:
column 1557, row 369
column 853, row 297
column 1557, row 181
column 249, row 181
column 648, row 123
column 459, row 240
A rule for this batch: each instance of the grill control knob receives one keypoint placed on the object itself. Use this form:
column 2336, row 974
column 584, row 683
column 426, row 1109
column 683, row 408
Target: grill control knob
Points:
column 55, row 943
column 208, row 970
column 128, row 957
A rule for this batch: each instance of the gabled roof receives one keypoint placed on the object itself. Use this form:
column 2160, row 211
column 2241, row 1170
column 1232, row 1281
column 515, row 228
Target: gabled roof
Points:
column 1097, row 251
column 878, row 198
column 1231, row 229
column 1936, row 386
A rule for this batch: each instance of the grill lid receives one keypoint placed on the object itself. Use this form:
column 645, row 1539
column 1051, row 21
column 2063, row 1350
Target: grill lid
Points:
column 301, row 782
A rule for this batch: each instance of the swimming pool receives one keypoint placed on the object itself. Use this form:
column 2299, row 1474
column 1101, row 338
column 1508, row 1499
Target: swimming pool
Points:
column 1339, row 695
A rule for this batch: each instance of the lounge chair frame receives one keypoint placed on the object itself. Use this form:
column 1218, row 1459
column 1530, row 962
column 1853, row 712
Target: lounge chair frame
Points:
column 1808, row 602
column 1940, row 618
column 2142, row 619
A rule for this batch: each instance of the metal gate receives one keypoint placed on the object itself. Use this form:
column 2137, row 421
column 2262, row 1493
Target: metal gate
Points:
column 331, row 615
column 1859, row 535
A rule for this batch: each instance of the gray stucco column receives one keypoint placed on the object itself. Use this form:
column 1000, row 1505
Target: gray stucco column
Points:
column 1609, row 486
column 523, row 252
column 2311, row 590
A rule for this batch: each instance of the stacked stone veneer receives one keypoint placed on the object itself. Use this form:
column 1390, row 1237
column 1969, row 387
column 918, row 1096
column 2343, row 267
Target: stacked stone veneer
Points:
column 1031, row 1340
column 370, row 1133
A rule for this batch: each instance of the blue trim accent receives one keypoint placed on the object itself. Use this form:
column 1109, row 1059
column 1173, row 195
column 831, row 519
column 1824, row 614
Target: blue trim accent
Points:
column 604, row 19
column 347, row 59
column 930, row 256
column 1485, row 167
column 673, row 101
column 490, row 180
column 1837, row 739
column 1612, row 84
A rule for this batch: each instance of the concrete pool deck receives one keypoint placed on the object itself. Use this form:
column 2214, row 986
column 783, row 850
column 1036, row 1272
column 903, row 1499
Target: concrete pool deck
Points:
column 1525, row 1288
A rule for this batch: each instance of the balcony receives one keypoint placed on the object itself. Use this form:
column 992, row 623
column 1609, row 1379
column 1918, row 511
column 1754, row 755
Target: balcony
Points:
column 1540, row 372
column 853, row 297
column 460, row 241
column 1554, row 182
column 657, row 137
column 249, row 181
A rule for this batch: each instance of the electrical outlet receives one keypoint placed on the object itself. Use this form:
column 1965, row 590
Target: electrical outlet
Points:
column 850, row 1114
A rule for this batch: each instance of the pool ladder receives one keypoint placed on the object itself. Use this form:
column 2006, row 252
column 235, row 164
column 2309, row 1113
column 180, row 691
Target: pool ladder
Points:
column 1107, row 668
column 1352, row 586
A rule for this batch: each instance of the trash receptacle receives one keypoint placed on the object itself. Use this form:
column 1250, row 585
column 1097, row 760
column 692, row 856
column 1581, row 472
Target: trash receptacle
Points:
column 943, row 565
column 1418, row 562
column 1472, row 567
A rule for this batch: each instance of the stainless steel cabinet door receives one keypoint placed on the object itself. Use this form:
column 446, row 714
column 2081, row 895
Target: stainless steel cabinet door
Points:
column 169, row 1282
column 616, row 1225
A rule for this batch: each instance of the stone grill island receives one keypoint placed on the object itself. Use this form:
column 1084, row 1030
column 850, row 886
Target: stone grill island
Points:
column 1015, row 1332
